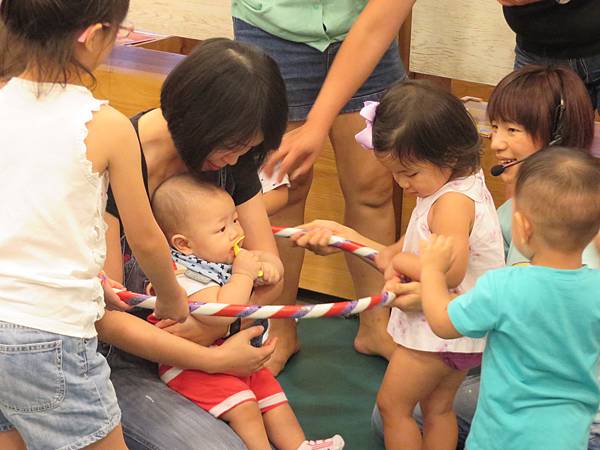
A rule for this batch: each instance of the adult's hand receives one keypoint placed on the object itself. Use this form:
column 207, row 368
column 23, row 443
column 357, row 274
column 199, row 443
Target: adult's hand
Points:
column 237, row 357
column 298, row 151
column 317, row 235
column 193, row 330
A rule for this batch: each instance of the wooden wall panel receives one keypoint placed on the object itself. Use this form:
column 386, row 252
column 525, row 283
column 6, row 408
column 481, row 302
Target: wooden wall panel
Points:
column 199, row 19
column 461, row 39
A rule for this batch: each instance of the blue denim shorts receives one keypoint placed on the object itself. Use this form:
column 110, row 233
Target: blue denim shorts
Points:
column 54, row 389
column 304, row 69
column 594, row 442
column 587, row 68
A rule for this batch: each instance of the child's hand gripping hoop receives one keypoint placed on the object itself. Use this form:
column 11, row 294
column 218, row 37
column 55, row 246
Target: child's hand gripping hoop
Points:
column 236, row 250
column 346, row 308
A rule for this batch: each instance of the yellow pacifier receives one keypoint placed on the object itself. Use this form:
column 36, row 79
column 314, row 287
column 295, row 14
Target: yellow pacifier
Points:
column 236, row 245
column 236, row 250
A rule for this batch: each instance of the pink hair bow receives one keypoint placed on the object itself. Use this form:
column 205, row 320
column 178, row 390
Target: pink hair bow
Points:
column 365, row 137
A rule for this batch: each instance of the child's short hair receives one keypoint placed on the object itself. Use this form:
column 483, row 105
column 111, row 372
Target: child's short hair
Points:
column 558, row 189
column 531, row 97
column 221, row 95
column 41, row 34
column 173, row 198
column 419, row 121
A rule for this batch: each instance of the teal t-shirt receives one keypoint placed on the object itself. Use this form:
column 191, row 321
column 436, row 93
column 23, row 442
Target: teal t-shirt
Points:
column 590, row 258
column 539, row 385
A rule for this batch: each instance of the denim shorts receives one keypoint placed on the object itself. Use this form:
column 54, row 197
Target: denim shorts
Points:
column 594, row 442
column 587, row 68
column 304, row 69
column 54, row 389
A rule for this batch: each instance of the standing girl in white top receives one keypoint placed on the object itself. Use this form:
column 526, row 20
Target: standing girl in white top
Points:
column 426, row 138
column 59, row 147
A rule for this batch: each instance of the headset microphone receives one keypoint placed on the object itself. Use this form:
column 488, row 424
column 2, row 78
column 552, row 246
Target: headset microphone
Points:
column 498, row 170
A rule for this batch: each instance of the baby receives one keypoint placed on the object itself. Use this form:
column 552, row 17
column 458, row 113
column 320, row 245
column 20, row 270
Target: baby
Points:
column 200, row 222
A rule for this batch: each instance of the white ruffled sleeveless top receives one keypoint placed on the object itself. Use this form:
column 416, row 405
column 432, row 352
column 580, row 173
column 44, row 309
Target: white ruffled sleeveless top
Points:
column 486, row 252
column 52, row 231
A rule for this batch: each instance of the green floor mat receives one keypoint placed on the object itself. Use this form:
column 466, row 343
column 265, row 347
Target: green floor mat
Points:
column 331, row 387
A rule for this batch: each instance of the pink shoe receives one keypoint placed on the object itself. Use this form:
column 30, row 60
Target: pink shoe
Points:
column 333, row 443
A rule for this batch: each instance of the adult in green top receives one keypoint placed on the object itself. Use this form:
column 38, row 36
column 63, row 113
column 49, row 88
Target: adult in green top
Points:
column 304, row 38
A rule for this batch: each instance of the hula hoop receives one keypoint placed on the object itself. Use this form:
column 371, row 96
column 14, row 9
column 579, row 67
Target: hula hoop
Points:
column 345, row 308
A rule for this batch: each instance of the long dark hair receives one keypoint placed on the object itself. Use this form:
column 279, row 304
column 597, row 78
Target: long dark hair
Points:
column 221, row 95
column 41, row 34
column 419, row 121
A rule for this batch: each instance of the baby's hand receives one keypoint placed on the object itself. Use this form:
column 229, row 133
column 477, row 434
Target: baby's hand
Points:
column 246, row 263
column 173, row 306
column 270, row 274
column 437, row 253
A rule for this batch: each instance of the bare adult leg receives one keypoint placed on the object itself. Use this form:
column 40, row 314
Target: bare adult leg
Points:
column 292, row 257
column 367, row 187
column 413, row 376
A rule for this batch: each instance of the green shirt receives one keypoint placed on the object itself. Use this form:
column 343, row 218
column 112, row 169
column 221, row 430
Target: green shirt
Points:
column 317, row 23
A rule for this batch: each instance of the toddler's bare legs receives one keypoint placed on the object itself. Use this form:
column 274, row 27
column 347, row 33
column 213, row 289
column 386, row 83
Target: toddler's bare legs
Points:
column 413, row 377
column 439, row 425
column 246, row 420
column 283, row 428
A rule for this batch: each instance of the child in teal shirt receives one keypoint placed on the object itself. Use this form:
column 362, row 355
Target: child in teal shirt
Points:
column 539, row 385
